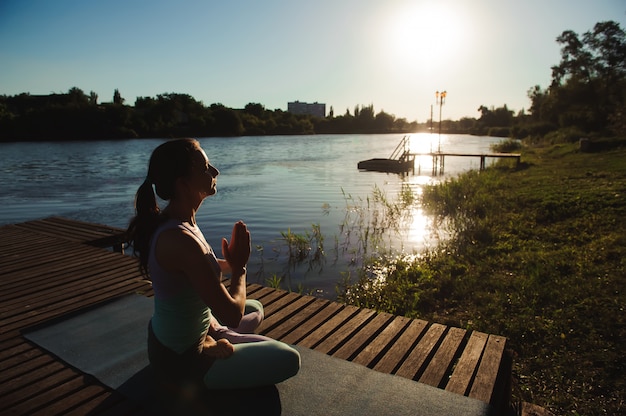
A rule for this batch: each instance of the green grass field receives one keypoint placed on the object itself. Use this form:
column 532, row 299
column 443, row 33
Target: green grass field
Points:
column 538, row 256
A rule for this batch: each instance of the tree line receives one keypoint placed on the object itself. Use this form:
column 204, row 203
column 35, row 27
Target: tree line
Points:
column 587, row 96
column 76, row 115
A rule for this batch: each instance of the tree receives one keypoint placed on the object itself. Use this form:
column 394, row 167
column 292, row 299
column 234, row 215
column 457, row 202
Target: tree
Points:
column 366, row 114
column 255, row 109
column 93, row 98
column 607, row 45
column 576, row 62
column 383, row 122
column 498, row 117
column 117, row 97
column 76, row 97
column 588, row 84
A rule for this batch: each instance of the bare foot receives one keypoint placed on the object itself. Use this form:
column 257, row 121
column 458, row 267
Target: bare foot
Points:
column 222, row 348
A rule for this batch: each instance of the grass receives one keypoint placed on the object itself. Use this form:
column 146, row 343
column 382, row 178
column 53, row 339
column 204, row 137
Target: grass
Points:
column 538, row 255
column 507, row 146
column 295, row 250
column 370, row 223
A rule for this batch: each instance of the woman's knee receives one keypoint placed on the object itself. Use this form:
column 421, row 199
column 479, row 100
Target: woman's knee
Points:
column 253, row 305
column 293, row 360
column 286, row 359
column 254, row 364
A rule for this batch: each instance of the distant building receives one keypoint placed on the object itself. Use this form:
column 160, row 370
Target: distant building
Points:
column 315, row 109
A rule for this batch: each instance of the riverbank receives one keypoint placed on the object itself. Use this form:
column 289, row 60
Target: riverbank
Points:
column 538, row 257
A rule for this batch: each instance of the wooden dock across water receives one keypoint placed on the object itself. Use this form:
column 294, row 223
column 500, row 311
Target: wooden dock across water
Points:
column 51, row 267
column 439, row 158
column 402, row 159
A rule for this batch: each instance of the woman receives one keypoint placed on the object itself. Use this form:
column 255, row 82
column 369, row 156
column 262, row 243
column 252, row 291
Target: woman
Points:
column 185, row 341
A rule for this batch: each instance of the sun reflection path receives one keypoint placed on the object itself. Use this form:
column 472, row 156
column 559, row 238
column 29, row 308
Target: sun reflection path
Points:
column 419, row 225
column 419, row 231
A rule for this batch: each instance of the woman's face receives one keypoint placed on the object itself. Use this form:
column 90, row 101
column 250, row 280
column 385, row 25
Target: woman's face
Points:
column 203, row 176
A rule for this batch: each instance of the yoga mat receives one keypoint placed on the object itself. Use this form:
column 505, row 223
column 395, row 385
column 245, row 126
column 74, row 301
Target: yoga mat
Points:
column 108, row 341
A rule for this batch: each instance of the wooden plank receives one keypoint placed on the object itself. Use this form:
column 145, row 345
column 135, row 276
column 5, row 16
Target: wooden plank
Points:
column 49, row 266
column 13, row 347
column 69, row 305
column 70, row 276
column 71, row 401
column 361, row 339
column 27, row 390
column 12, row 392
column 53, row 262
column 398, row 351
column 466, row 368
column 375, row 348
column 415, row 363
column 71, row 230
column 270, row 297
column 24, row 364
column 263, row 292
column 251, row 288
column 62, row 233
column 81, row 285
column 485, row 381
column 280, row 303
column 278, row 317
column 294, row 323
column 14, row 356
column 111, row 403
column 16, row 245
column 329, row 327
column 51, row 255
column 347, row 330
column 48, row 398
column 100, row 235
column 437, row 369
column 311, row 324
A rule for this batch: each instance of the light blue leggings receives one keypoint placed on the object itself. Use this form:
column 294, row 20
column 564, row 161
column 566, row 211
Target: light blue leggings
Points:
column 257, row 360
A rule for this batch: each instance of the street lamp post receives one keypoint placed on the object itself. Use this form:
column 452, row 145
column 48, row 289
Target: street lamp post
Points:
column 431, row 128
column 441, row 99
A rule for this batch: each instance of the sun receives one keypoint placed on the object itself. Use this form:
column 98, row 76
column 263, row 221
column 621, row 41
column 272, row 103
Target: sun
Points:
column 427, row 35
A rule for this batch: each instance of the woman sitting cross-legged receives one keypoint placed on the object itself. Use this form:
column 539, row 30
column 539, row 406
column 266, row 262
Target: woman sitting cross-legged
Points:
column 200, row 330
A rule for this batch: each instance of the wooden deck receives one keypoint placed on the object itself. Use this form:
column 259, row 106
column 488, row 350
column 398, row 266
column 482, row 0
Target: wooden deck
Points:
column 54, row 266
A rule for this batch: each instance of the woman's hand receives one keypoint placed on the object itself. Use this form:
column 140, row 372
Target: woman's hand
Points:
column 224, row 266
column 237, row 252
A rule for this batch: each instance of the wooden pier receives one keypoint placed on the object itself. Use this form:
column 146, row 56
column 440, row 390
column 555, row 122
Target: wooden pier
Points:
column 51, row 267
column 438, row 158
column 402, row 159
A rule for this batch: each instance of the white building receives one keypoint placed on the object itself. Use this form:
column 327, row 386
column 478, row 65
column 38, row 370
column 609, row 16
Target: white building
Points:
column 314, row 109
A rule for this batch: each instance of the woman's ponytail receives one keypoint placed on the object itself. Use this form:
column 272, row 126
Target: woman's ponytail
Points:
column 145, row 199
column 145, row 222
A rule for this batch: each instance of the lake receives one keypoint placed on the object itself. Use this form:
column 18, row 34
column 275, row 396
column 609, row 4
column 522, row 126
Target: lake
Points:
column 306, row 185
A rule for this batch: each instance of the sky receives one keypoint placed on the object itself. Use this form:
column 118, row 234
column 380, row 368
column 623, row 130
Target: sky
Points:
column 392, row 54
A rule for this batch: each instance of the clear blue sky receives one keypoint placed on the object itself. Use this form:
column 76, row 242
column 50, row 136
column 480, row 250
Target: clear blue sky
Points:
column 393, row 54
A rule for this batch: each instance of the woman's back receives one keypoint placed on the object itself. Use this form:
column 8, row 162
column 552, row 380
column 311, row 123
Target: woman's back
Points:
column 181, row 318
